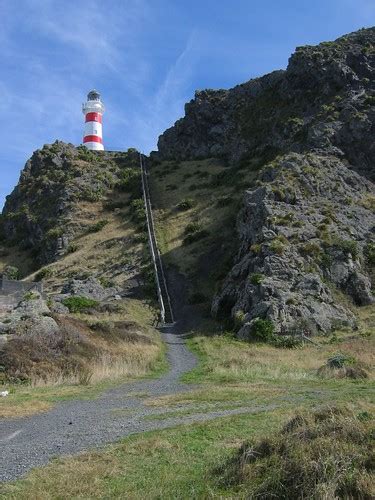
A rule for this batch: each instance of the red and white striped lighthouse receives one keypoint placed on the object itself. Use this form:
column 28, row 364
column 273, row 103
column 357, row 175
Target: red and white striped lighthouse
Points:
column 93, row 110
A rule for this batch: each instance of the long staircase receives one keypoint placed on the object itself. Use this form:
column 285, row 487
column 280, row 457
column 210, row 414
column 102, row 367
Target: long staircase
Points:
column 166, row 311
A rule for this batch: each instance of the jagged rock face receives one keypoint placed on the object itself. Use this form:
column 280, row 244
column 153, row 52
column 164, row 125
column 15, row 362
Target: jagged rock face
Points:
column 324, row 100
column 307, row 230
column 45, row 211
column 304, row 231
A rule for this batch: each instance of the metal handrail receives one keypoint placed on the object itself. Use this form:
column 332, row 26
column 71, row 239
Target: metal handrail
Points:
column 155, row 254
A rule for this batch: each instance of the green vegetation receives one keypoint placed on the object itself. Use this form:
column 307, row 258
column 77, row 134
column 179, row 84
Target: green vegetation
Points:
column 12, row 273
column 262, row 329
column 369, row 252
column 327, row 453
column 256, row 278
column 185, row 204
column 98, row 226
column 44, row 273
column 79, row 304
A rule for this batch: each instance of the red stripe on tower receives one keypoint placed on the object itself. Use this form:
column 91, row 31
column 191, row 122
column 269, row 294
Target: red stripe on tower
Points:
column 94, row 117
column 93, row 109
column 92, row 138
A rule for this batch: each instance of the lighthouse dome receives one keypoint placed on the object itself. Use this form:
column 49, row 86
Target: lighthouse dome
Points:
column 93, row 95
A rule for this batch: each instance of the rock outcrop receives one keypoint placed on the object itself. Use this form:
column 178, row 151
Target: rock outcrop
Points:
column 50, row 206
column 306, row 229
column 324, row 100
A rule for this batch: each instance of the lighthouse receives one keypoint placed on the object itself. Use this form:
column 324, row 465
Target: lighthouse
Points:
column 93, row 110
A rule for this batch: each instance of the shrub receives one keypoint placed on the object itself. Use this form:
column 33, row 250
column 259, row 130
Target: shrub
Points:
column 12, row 273
column 340, row 366
column 346, row 246
column 79, row 304
column 262, row 329
column 312, row 249
column 30, row 296
column 369, row 252
column 54, row 233
column 46, row 272
column 256, row 248
column 325, row 453
column 130, row 181
column 256, row 278
column 185, row 204
column 286, row 341
column 98, row 226
column 137, row 208
column 73, row 247
column 192, row 227
column 278, row 245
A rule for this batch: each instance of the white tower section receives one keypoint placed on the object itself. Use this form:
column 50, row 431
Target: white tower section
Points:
column 93, row 110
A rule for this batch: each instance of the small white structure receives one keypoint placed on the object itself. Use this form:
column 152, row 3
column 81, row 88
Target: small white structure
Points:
column 93, row 110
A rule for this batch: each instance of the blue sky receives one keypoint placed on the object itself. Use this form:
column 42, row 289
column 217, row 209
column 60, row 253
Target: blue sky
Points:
column 145, row 56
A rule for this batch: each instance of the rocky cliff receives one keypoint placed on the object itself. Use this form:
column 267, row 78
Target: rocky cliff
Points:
column 54, row 199
column 306, row 227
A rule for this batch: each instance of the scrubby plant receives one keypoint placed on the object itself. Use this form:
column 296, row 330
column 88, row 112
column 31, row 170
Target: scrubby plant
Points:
column 130, row 182
column 12, row 273
column 262, row 329
column 79, row 304
column 73, row 247
column 138, row 211
column 319, row 454
column 98, row 226
column 256, row 278
column 30, row 296
column 278, row 244
column 341, row 365
column 54, row 233
column 369, row 252
column 346, row 246
column 44, row 273
column 256, row 248
column 185, row 204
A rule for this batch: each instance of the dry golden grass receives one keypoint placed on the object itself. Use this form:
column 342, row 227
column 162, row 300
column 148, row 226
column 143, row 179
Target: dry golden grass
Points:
column 133, row 349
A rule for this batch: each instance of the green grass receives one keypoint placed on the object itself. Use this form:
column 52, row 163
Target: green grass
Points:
column 180, row 462
column 169, row 464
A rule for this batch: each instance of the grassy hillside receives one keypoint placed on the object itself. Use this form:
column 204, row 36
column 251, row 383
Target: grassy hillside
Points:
column 195, row 207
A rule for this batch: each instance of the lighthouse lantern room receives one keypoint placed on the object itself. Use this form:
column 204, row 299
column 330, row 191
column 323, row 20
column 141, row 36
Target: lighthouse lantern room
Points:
column 93, row 110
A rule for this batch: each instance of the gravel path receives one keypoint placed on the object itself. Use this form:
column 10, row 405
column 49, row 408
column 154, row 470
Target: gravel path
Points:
column 78, row 425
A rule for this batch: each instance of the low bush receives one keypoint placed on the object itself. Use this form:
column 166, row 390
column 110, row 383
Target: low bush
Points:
column 321, row 454
column 73, row 247
column 341, row 365
column 79, row 304
column 369, row 252
column 262, row 329
column 12, row 273
column 44, row 273
column 98, row 226
column 185, row 204
column 256, row 278
column 130, row 182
